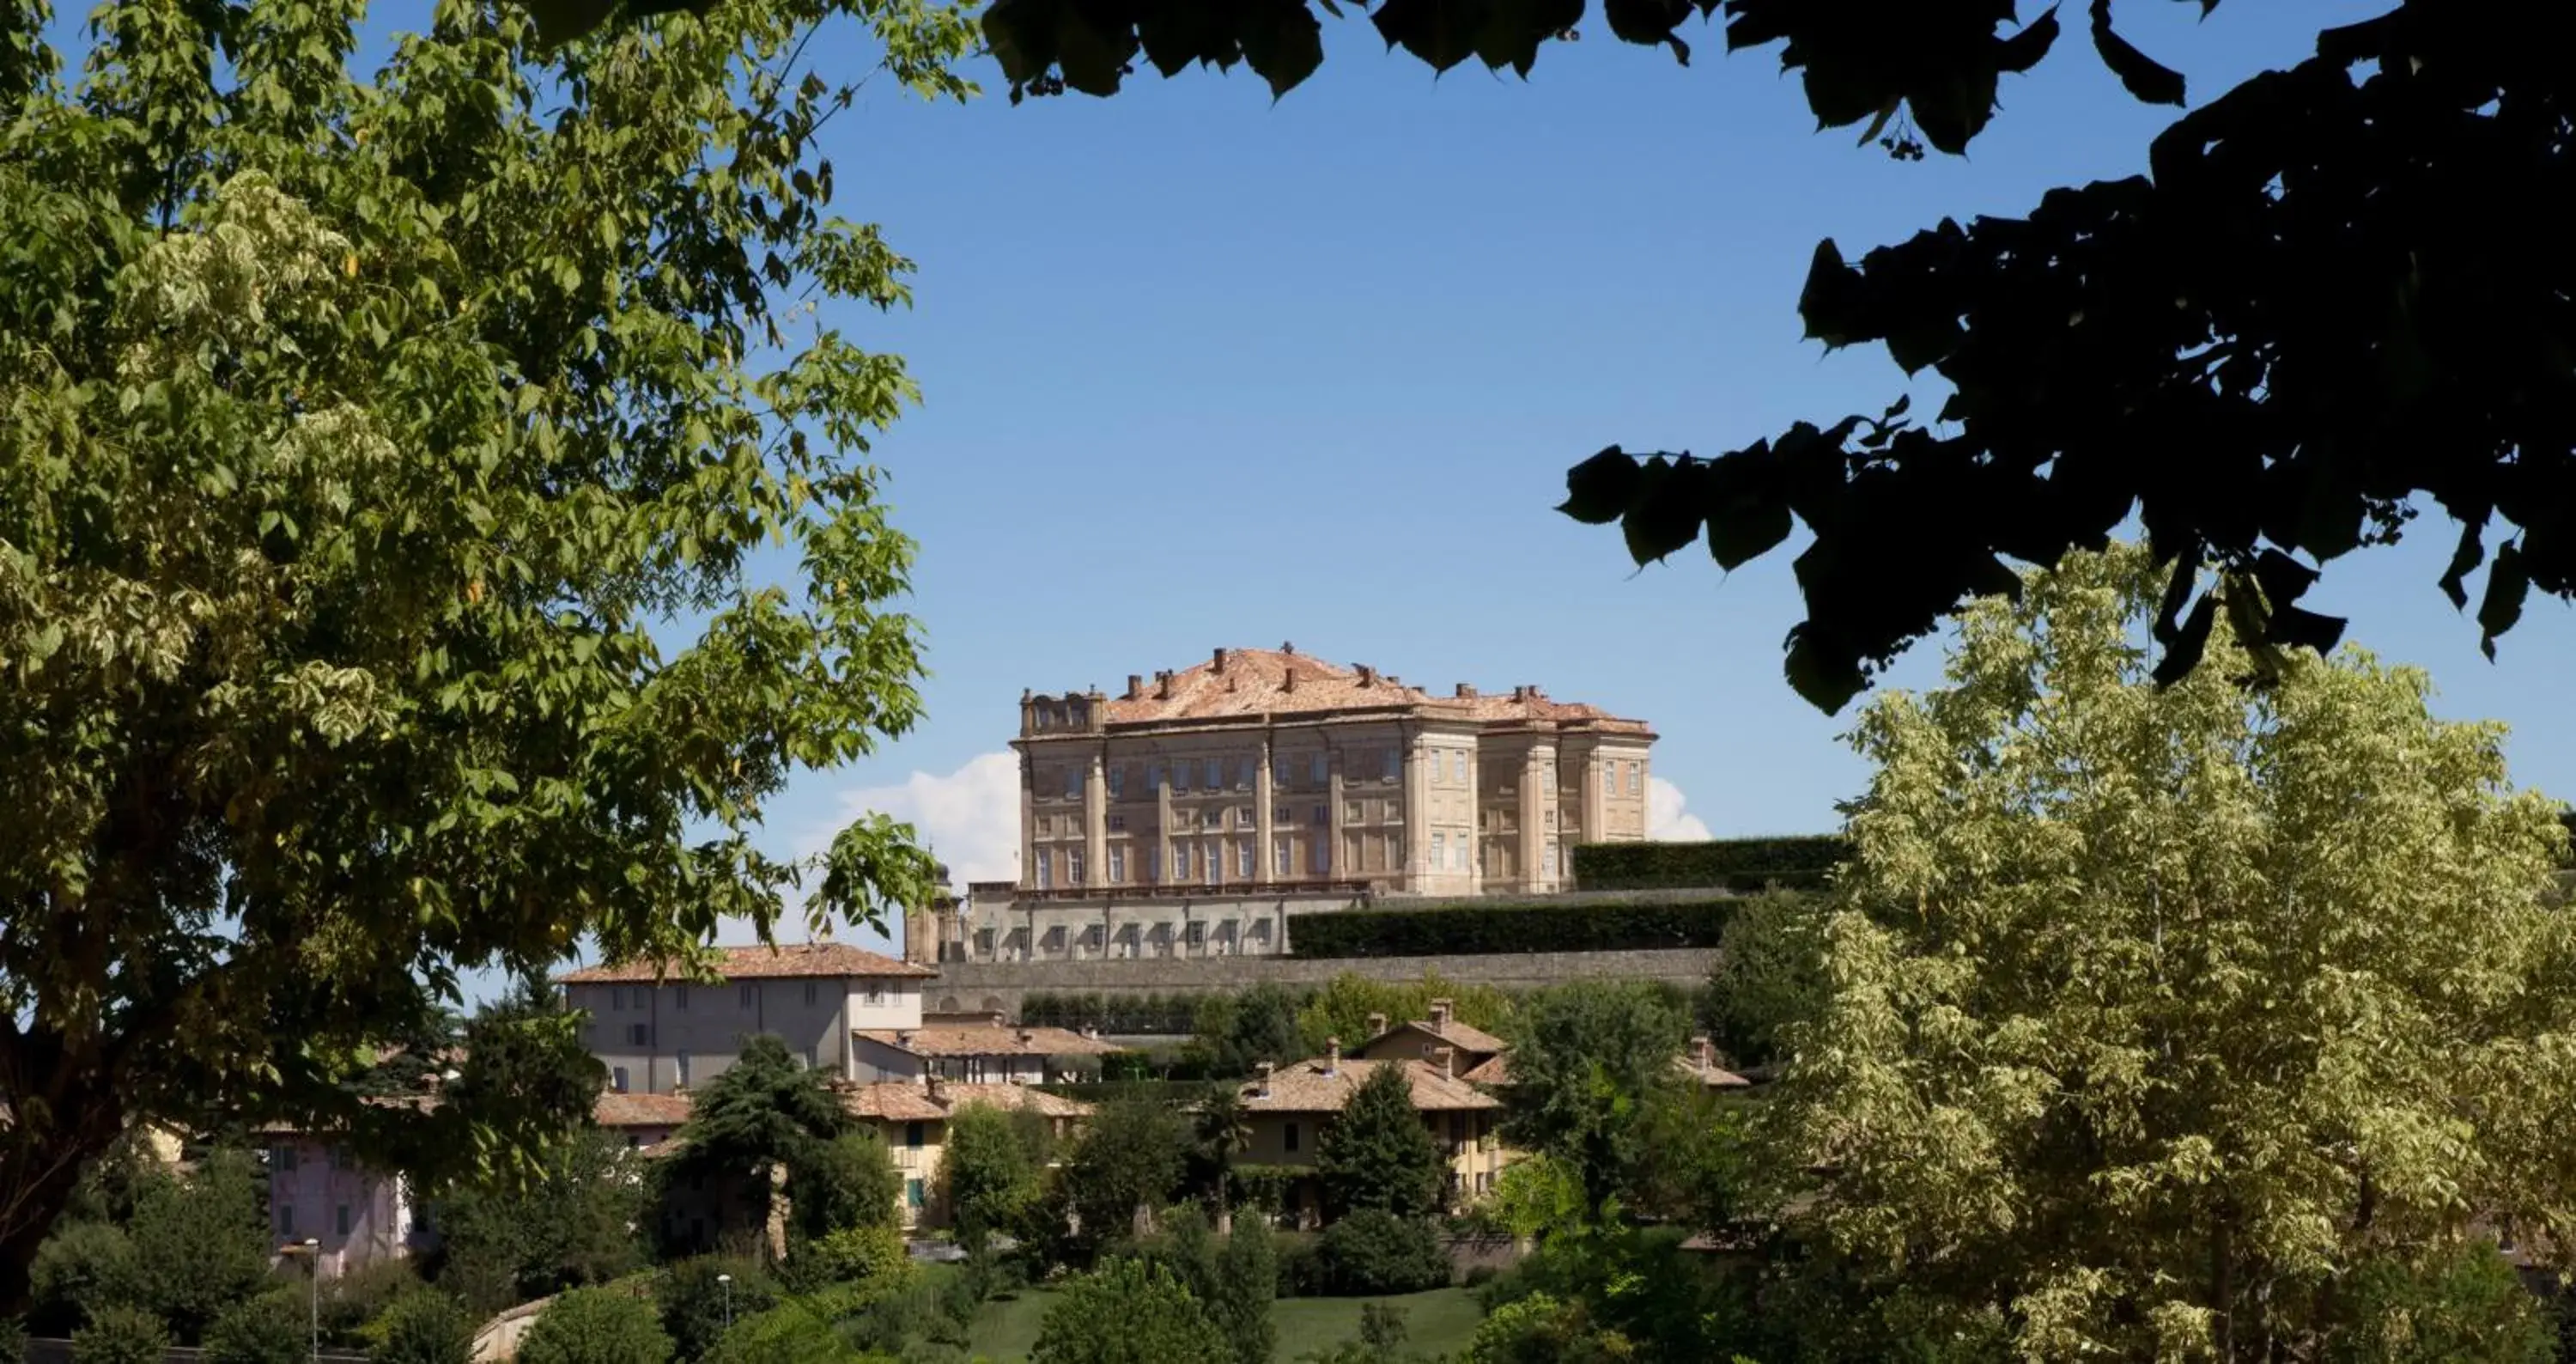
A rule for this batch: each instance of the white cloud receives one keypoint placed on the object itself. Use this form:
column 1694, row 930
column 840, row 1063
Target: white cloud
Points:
column 1666, row 819
column 970, row 818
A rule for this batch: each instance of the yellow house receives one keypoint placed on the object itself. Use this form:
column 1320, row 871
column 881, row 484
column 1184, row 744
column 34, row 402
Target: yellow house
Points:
column 1287, row 1108
column 912, row 1117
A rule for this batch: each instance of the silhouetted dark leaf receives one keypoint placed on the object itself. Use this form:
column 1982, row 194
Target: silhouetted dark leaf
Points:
column 2143, row 76
column 2471, row 552
column 2023, row 50
column 1664, row 513
column 2283, row 579
column 1598, row 491
column 2508, row 582
column 1284, row 44
column 2183, row 654
column 2302, row 628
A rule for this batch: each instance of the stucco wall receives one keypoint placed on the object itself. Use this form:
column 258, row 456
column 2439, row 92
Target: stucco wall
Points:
column 309, row 1199
column 1003, row 985
column 708, row 1022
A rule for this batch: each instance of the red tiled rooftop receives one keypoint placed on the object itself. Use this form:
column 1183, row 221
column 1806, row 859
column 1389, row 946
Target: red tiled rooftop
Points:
column 1277, row 681
column 761, row 962
column 1318, row 1086
column 640, row 1110
column 966, row 1039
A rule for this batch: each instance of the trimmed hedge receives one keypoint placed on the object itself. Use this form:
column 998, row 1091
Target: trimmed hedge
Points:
column 1738, row 864
column 1132, row 1015
column 1467, row 930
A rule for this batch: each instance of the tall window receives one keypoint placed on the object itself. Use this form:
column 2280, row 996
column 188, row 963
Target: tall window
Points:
column 1292, row 1136
column 1212, row 862
column 617, row 1078
column 340, row 1220
column 809, row 994
column 680, row 997
column 1284, row 858
column 1551, row 859
column 1636, row 775
column 616, row 1000
column 1180, row 861
column 1458, row 766
column 1243, row 774
column 1394, row 762
column 1243, row 859
column 1322, row 769
column 639, row 1034
column 748, row 996
column 1117, row 782
column 1215, row 773
column 1322, row 817
column 1072, row 782
column 684, row 1067
column 1073, row 866
column 1323, row 850
column 1181, row 775
column 1046, row 868
column 286, row 1219
column 1154, row 775
column 1280, row 768
column 1439, row 851
column 1117, row 866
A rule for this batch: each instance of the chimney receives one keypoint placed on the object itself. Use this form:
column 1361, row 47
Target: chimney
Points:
column 1025, row 1036
column 1377, row 1025
column 1332, row 1056
column 1288, row 679
column 903, row 1038
column 1440, row 1010
column 1703, row 1053
column 1520, row 693
column 938, row 1088
column 1220, row 662
column 1135, row 686
column 1163, row 685
column 1466, row 692
column 1447, row 1059
column 1368, row 676
column 1091, row 1031
column 1263, row 1083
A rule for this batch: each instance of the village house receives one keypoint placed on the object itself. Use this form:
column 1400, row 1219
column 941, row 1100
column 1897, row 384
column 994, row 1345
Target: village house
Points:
column 356, row 1215
column 660, row 1034
column 980, row 1048
column 645, row 1122
column 1286, row 1108
column 1420, row 1039
column 913, row 1116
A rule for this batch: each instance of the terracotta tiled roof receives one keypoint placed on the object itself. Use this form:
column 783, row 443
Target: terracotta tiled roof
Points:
column 1468, row 1041
column 909, row 1101
column 1258, row 682
column 987, row 1040
column 1318, row 1087
column 758, row 962
column 640, row 1110
column 1495, row 1071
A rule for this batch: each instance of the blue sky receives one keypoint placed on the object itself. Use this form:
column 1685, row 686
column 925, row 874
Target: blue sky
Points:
column 1201, row 369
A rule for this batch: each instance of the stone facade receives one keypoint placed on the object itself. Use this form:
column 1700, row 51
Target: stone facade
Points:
column 1272, row 770
column 659, row 1035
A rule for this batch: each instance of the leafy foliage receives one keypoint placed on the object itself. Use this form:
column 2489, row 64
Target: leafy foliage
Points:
column 200, row 1242
column 1587, row 1063
column 864, row 1255
column 2273, row 345
column 1243, row 1029
column 1129, row 1157
column 1372, row 1251
column 120, row 1335
column 1128, row 1313
column 13, row 1341
column 1244, row 1281
column 1378, row 1154
column 767, row 1112
column 1737, row 864
column 1471, row 930
column 849, row 1181
column 1769, row 974
column 424, row 1326
column 2462, row 1302
column 272, row 1328
column 385, row 454
column 695, row 1302
column 569, row 1224
column 595, row 1326
column 84, row 1266
column 2319, row 1003
column 986, row 1175
column 1343, row 1008
column 1149, row 1014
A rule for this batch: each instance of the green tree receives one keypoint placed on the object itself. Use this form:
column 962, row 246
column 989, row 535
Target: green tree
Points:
column 1128, row 1313
column 2461, row 1303
column 1371, row 1250
column 1250, row 1026
column 272, row 1328
column 696, row 1301
column 1769, row 974
column 766, row 1114
column 1587, row 1063
column 201, row 1243
column 424, row 1326
column 391, row 440
column 985, row 1176
column 13, row 1341
column 121, row 1335
column 2154, row 1008
column 1219, row 1131
column 1244, row 1282
column 596, row 1326
column 1343, row 1008
column 1378, row 1154
column 84, row 1266
column 1129, row 1157
column 849, row 1181
column 570, row 1222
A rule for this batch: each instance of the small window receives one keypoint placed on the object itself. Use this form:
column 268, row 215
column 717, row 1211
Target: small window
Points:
column 680, row 997
column 1196, row 933
column 1292, row 1136
column 912, row 1135
column 617, row 1078
column 1322, row 770
column 639, row 1034
column 1283, row 814
column 684, row 1067
column 750, row 996
column 284, row 1159
column 1245, row 818
column 984, row 942
column 1551, row 817
column 876, row 993
column 617, row 1001
column 809, row 994
column 340, row 1220
column 340, row 1159
column 1117, row 824
column 1351, row 812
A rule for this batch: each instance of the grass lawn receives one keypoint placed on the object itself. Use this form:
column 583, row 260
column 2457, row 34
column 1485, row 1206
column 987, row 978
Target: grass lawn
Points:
column 1439, row 1323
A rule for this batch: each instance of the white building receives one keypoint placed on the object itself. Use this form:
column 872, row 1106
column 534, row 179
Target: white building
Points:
column 660, row 1035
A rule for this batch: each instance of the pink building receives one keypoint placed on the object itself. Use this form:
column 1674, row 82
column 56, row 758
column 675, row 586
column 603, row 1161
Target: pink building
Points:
column 357, row 1215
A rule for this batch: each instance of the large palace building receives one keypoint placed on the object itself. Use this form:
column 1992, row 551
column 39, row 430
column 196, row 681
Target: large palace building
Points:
column 1266, row 772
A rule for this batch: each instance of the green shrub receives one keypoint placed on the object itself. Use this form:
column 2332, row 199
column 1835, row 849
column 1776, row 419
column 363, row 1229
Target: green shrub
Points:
column 424, row 1326
column 1371, row 1253
column 1302, row 1271
column 596, row 1326
column 797, row 1330
column 13, row 1341
column 352, row 1302
column 1128, row 1313
column 120, row 1335
column 83, row 1267
column 274, row 1328
column 1739, row 864
column 1132, row 1015
column 1471, row 930
column 873, row 1256
column 696, row 1302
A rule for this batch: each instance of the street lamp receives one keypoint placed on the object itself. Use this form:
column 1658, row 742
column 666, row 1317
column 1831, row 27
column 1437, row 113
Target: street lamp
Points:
column 727, row 1281
column 313, row 1248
